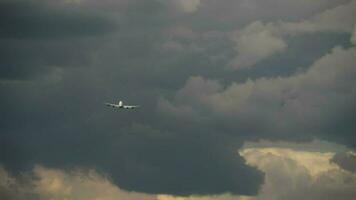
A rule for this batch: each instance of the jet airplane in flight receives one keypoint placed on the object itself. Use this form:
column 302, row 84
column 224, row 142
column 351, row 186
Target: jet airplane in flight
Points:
column 121, row 105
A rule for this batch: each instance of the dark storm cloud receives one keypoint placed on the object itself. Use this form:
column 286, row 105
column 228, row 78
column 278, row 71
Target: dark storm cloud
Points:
column 53, row 86
column 66, row 124
column 179, row 163
column 29, row 59
column 36, row 36
column 41, row 20
column 346, row 161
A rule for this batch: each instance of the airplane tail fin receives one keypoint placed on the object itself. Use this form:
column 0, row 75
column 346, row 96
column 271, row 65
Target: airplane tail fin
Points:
column 120, row 103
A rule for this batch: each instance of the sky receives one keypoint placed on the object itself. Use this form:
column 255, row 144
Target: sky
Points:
column 237, row 98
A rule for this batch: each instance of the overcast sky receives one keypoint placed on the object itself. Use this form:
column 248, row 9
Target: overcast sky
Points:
column 238, row 98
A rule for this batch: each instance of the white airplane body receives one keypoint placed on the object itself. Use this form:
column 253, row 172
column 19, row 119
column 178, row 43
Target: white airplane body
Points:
column 121, row 105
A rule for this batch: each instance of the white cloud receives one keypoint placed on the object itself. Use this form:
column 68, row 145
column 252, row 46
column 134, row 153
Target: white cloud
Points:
column 54, row 184
column 299, row 174
column 57, row 185
column 77, row 184
column 313, row 146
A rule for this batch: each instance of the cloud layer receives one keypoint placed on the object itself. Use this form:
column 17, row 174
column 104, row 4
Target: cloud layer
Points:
column 209, row 76
column 302, row 101
column 308, row 175
column 304, row 173
column 258, row 40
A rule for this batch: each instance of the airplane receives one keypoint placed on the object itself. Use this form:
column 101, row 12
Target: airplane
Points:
column 121, row 105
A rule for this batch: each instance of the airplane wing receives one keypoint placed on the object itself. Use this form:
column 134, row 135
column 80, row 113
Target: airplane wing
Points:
column 111, row 105
column 131, row 106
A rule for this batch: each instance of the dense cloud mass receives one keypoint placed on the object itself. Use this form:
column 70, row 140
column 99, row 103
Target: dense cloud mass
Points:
column 210, row 76
column 46, row 183
column 42, row 20
column 303, row 101
column 305, row 172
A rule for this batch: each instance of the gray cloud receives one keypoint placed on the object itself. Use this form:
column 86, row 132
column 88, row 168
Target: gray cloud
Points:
column 254, row 43
column 53, row 86
column 304, row 171
column 295, row 100
column 200, row 165
column 346, row 160
column 38, row 36
column 232, row 14
column 257, row 41
column 41, row 20
column 353, row 37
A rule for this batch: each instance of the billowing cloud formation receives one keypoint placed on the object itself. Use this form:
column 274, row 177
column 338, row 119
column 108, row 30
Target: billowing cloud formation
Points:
column 303, row 171
column 257, row 41
column 65, row 58
column 45, row 183
column 300, row 168
column 293, row 101
column 303, row 174
column 254, row 43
